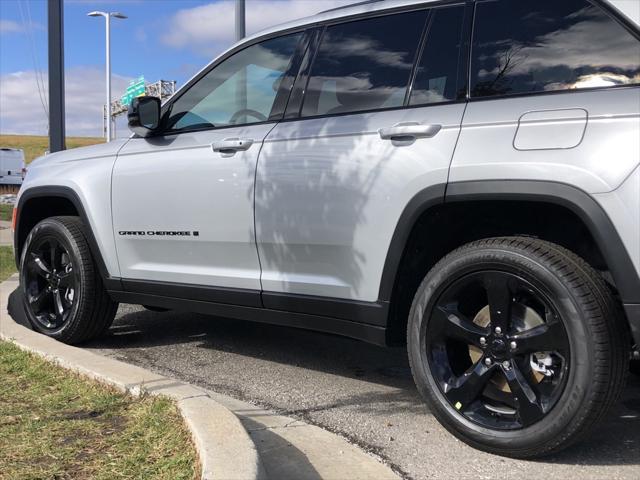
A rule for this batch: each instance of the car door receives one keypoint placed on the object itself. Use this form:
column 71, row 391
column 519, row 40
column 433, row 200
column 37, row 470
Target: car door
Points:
column 334, row 177
column 183, row 200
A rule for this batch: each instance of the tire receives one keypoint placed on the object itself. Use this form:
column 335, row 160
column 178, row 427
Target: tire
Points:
column 523, row 408
column 63, row 294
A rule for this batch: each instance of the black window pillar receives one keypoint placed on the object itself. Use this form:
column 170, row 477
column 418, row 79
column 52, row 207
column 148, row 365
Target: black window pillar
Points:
column 56, row 76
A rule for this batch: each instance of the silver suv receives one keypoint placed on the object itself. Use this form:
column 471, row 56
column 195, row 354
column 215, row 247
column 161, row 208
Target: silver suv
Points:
column 460, row 175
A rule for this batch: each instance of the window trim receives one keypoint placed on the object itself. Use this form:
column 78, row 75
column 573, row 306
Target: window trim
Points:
column 602, row 6
column 299, row 90
column 464, row 53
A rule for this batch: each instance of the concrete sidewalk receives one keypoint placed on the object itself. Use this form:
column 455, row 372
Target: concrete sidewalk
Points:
column 235, row 440
column 6, row 234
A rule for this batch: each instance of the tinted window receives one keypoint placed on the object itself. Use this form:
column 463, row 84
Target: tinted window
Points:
column 437, row 71
column 240, row 90
column 522, row 47
column 364, row 65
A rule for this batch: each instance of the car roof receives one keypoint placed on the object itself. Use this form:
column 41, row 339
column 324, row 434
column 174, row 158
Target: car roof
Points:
column 629, row 8
column 357, row 8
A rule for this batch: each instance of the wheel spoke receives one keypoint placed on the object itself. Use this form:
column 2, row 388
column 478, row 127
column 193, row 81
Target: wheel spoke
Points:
column 500, row 299
column 463, row 390
column 54, row 254
column 59, row 307
column 525, row 397
column 545, row 337
column 37, row 301
column 450, row 323
column 41, row 268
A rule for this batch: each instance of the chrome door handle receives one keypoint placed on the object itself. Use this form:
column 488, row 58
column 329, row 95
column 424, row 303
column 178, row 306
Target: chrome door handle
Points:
column 232, row 145
column 409, row 131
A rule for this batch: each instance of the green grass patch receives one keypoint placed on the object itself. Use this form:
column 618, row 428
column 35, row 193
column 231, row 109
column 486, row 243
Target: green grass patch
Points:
column 6, row 211
column 56, row 425
column 35, row 145
column 7, row 268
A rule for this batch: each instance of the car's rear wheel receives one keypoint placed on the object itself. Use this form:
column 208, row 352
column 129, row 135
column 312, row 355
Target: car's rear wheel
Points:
column 63, row 293
column 517, row 345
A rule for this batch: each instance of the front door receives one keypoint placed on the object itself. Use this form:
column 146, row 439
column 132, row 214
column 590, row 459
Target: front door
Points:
column 183, row 200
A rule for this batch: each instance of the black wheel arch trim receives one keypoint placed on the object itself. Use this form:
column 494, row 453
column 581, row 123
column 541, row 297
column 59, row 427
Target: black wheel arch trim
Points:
column 69, row 194
column 583, row 205
column 633, row 315
column 577, row 201
column 420, row 203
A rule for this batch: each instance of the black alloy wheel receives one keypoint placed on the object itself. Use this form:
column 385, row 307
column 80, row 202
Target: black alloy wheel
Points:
column 62, row 290
column 517, row 345
column 50, row 282
column 497, row 349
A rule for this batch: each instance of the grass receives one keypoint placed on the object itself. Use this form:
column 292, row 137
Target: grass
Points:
column 5, row 212
column 57, row 425
column 35, row 145
column 7, row 268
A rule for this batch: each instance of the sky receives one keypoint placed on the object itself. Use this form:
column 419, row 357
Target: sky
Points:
column 160, row 39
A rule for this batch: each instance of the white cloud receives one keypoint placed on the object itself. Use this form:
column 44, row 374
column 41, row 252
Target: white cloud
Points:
column 22, row 111
column 9, row 26
column 206, row 28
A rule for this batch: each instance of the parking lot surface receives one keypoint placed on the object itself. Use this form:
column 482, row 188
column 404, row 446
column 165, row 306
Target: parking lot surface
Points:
column 357, row 390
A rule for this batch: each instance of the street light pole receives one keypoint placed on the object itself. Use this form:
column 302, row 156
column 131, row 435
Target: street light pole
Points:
column 108, row 73
column 107, row 16
column 240, row 20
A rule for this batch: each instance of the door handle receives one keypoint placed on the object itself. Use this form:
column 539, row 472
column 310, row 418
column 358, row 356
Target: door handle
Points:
column 409, row 131
column 232, row 145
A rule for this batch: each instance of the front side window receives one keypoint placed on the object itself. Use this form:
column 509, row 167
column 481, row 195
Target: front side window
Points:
column 364, row 65
column 546, row 45
column 240, row 90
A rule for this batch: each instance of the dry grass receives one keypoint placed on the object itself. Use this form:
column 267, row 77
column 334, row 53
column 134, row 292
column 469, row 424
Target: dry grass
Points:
column 57, row 425
column 6, row 211
column 7, row 268
column 35, row 146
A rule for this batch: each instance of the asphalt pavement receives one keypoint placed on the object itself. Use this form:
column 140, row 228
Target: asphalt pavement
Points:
column 362, row 392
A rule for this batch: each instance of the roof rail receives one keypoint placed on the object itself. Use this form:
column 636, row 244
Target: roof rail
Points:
column 351, row 5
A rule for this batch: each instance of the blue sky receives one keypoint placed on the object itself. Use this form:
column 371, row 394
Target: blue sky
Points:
column 161, row 39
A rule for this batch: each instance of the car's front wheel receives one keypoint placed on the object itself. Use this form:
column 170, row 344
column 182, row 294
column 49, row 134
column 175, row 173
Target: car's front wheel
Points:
column 63, row 293
column 517, row 345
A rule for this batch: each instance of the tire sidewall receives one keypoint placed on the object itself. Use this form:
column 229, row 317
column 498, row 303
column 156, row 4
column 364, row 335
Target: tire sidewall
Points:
column 581, row 366
column 52, row 228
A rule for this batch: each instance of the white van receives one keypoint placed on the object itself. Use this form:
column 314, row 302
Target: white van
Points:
column 12, row 166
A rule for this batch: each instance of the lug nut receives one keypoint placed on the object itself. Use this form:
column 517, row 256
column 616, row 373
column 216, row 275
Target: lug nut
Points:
column 506, row 365
column 483, row 341
column 487, row 361
column 513, row 345
column 498, row 330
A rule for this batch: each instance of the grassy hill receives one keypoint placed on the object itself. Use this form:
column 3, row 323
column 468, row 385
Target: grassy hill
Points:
column 34, row 145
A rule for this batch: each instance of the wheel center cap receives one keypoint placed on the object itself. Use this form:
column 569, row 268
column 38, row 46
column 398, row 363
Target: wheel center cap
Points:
column 498, row 348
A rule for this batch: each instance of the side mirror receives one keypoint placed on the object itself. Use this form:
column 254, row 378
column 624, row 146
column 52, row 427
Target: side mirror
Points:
column 144, row 115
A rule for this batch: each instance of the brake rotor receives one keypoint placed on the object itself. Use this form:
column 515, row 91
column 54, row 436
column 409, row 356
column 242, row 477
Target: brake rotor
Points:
column 524, row 318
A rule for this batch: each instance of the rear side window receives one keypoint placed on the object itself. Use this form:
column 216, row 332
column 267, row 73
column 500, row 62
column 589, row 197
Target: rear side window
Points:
column 364, row 65
column 437, row 70
column 546, row 45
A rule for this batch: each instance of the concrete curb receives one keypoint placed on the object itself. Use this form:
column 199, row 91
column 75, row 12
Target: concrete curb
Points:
column 224, row 447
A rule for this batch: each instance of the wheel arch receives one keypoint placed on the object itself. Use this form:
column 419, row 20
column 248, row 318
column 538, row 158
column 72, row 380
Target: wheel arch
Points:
column 38, row 203
column 427, row 212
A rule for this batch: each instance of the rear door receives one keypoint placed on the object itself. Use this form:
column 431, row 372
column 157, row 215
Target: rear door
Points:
column 335, row 175
column 183, row 200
